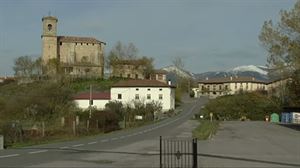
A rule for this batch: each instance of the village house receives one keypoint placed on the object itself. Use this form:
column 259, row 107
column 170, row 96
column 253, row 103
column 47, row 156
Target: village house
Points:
column 159, row 75
column 129, row 91
column 76, row 56
column 132, row 69
column 228, row 86
column 96, row 100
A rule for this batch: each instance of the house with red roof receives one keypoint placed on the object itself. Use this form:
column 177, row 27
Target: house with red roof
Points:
column 130, row 91
column 95, row 99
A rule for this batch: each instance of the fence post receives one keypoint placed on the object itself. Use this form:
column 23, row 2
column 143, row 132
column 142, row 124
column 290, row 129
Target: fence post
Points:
column 74, row 127
column 160, row 151
column 1, row 142
column 195, row 153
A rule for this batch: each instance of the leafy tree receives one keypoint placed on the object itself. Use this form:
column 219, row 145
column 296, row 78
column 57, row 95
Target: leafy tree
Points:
column 283, row 44
column 282, row 40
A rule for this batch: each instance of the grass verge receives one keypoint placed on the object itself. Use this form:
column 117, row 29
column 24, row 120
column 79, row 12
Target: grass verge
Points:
column 205, row 129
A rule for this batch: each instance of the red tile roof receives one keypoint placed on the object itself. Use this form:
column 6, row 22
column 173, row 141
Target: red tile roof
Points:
column 231, row 80
column 75, row 39
column 95, row 96
column 141, row 83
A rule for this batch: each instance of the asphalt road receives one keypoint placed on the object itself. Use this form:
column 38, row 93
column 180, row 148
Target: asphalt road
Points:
column 251, row 144
column 118, row 149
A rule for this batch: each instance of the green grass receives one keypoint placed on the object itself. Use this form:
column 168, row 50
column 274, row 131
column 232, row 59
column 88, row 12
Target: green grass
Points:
column 206, row 129
column 97, row 84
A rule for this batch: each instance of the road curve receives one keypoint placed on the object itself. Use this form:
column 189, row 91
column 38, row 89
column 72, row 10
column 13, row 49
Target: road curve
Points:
column 36, row 155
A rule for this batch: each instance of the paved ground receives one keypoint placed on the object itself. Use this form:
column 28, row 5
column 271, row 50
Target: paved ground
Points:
column 251, row 144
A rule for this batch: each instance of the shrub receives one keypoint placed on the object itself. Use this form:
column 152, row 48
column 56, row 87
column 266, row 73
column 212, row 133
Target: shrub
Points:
column 253, row 106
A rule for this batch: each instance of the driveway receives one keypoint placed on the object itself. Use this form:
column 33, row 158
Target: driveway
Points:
column 251, row 144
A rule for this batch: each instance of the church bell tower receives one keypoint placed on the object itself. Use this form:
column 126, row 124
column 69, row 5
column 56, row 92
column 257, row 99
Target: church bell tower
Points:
column 49, row 39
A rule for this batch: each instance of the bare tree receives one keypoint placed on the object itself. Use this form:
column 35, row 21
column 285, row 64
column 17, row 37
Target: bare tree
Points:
column 177, row 62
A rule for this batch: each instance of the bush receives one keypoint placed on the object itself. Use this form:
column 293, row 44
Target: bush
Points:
column 253, row 106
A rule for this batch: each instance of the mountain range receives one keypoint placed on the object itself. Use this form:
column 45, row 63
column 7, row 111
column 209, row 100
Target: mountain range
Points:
column 258, row 72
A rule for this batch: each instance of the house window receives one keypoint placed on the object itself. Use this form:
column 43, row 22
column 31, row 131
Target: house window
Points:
column 160, row 96
column 136, row 76
column 93, row 44
column 60, row 43
column 75, row 43
column 160, row 89
column 149, row 89
column 87, row 43
column 81, row 43
column 220, row 87
column 148, row 96
column 119, row 96
column 235, row 86
column 137, row 89
column 137, row 96
column 128, row 75
column 226, row 87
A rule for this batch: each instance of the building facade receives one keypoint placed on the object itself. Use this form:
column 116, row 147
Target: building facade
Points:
column 228, row 86
column 132, row 69
column 159, row 75
column 78, row 56
column 145, row 91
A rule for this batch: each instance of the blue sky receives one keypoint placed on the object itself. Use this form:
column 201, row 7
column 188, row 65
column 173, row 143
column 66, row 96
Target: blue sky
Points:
column 208, row 35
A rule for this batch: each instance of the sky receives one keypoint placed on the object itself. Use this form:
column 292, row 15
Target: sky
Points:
column 209, row 35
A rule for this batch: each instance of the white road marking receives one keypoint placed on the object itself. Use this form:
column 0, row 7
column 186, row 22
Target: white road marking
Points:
column 77, row 145
column 6, row 156
column 90, row 143
column 104, row 140
column 40, row 151
column 114, row 139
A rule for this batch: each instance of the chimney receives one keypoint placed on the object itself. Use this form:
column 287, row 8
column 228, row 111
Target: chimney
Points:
column 231, row 78
column 206, row 78
column 169, row 82
column 253, row 78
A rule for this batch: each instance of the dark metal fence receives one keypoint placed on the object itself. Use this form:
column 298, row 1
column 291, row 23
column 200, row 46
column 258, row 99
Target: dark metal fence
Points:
column 178, row 153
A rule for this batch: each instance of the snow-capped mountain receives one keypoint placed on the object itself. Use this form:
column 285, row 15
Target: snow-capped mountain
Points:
column 258, row 72
column 250, row 68
column 178, row 71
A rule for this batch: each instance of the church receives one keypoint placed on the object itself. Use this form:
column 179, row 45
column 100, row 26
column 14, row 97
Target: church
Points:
column 75, row 56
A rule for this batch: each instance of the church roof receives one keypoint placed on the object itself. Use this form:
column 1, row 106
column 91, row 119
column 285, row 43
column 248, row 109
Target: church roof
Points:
column 49, row 17
column 75, row 39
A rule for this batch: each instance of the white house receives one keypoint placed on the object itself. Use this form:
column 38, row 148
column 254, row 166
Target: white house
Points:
column 128, row 91
column 98, row 100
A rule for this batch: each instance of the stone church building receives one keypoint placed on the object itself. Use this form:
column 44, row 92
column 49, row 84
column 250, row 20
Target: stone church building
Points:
column 76, row 56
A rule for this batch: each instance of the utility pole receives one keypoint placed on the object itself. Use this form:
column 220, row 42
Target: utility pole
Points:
column 90, row 107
